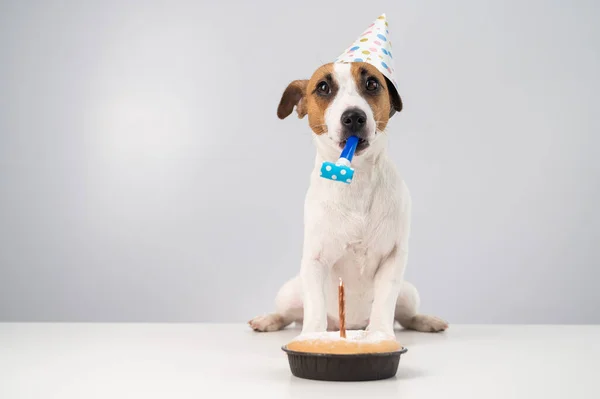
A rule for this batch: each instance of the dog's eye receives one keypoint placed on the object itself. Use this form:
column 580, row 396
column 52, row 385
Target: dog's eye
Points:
column 323, row 88
column 372, row 84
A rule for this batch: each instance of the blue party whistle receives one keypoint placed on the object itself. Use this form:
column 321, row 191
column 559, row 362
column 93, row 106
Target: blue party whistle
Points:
column 341, row 169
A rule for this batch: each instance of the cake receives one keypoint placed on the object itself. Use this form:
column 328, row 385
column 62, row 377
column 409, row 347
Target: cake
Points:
column 355, row 342
column 359, row 356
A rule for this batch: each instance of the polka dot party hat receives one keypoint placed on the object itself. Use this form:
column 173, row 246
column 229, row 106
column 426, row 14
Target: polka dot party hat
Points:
column 374, row 47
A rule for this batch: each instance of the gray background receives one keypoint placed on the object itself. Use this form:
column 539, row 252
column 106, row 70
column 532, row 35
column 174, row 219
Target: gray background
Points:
column 144, row 175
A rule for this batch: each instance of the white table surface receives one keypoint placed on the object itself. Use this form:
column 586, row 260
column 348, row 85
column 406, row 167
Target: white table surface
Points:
column 212, row 360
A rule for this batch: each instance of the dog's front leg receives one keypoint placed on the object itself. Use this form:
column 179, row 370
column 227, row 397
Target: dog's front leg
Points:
column 387, row 284
column 313, row 272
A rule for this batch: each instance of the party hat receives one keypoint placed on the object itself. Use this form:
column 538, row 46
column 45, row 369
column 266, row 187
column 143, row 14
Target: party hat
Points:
column 374, row 47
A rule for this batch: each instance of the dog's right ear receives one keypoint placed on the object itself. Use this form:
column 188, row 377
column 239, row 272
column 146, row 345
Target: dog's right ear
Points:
column 293, row 96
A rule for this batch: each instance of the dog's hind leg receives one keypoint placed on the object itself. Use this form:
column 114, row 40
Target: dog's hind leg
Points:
column 406, row 314
column 288, row 309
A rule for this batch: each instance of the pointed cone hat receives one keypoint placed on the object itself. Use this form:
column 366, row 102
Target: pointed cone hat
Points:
column 373, row 46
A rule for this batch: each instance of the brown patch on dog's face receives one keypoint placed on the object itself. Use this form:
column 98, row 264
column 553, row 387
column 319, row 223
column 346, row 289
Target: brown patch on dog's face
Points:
column 379, row 93
column 321, row 91
column 311, row 97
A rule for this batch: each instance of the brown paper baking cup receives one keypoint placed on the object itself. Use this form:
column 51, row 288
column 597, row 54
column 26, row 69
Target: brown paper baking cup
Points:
column 337, row 367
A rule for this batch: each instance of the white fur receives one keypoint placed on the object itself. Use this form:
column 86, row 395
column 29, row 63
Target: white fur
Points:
column 347, row 96
column 359, row 232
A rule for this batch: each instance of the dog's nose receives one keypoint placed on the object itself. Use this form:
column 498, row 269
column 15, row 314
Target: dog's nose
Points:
column 354, row 120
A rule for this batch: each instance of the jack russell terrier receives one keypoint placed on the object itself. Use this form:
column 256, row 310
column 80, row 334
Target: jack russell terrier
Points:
column 358, row 232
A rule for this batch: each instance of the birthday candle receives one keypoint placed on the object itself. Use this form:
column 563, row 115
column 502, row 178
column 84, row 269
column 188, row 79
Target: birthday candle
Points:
column 342, row 311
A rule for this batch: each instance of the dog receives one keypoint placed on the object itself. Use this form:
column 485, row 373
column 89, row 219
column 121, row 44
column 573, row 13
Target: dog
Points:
column 358, row 232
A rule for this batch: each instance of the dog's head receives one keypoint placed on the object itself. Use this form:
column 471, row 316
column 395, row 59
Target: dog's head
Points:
column 341, row 100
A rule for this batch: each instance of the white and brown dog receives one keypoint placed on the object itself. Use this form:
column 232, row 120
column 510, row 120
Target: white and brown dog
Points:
column 358, row 231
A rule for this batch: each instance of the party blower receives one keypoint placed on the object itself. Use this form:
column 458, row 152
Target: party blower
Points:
column 341, row 169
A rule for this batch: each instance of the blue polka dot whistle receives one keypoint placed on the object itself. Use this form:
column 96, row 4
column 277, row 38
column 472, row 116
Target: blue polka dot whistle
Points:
column 341, row 170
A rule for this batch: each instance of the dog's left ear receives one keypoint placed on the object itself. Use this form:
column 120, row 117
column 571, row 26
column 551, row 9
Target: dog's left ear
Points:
column 395, row 100
column 293, row 96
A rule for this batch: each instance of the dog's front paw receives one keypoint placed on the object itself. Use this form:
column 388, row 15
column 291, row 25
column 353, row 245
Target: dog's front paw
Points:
column 266, row 323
